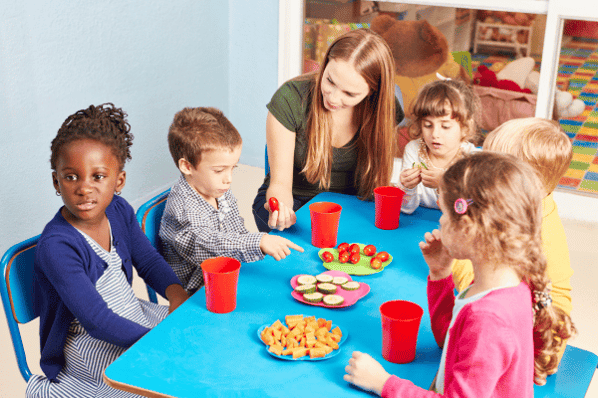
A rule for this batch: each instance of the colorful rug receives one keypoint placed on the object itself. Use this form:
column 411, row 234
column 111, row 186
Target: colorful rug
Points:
column 578, row 74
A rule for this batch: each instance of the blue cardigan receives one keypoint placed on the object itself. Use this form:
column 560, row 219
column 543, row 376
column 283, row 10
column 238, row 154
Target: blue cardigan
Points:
column 66, row 270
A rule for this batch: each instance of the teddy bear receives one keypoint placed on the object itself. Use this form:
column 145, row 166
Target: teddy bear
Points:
column 420, row 53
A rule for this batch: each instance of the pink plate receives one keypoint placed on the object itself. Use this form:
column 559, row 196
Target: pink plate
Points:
column 350, row 296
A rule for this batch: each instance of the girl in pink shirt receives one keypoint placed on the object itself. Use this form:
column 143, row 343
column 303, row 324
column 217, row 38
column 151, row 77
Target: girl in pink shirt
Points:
column 501, row 334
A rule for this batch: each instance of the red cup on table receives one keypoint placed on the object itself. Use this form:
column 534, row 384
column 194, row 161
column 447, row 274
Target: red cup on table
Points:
column 324, row 223
column 388, row 202
column 221, row 275
column 400, row 326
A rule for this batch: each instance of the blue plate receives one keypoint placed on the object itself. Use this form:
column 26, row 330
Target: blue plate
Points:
column 306, row 357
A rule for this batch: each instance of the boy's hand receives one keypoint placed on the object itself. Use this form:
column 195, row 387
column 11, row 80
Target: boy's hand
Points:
column 431, row 177
column 277, row 246
column 436, row 255
column 176, row 296
column 282, row 218
column 365, row 372
column 411, row 177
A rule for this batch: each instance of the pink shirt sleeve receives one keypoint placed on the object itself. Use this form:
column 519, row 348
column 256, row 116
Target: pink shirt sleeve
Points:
column 441, row 301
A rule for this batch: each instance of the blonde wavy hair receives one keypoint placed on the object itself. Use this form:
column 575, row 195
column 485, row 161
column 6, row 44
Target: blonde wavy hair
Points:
column 542, row 143
column 506, row 219
column 372, row 59
column 432, row 101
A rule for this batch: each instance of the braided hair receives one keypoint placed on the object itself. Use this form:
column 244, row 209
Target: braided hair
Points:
column 104, row 123
column 505, row 212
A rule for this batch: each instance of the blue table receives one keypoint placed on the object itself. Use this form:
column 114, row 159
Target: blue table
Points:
column 198, row 353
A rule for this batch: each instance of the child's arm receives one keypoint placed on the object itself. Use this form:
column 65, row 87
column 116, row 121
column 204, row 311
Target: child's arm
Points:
column 62, row 277
column 176, row 296
column 367, row 373
column 410, row 177
column 431, row 177
column 277, row 246
column 440, row 284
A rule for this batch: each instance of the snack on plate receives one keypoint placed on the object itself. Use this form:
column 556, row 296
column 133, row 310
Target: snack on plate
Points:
column 339, row 280
column 324, row 278
column 313, row 297
column 333, row 299
column 302, row 336
column 305, row 289
column 307, row 280
column 351, row 285
column 327, row 288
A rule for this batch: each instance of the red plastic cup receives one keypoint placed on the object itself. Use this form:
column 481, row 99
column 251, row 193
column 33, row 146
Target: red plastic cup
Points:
column 388, row 206
column 324, row 223
column 221, row 275
column 400, row 325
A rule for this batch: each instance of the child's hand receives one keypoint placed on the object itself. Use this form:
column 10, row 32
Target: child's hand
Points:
column 431, row 177
column 277, row 246
column 411, row 177
column 282, row 218
column 176, row 296
column 436, row 255
column 365, row 372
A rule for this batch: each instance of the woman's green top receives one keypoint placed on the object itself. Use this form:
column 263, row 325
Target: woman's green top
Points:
column 290, row 106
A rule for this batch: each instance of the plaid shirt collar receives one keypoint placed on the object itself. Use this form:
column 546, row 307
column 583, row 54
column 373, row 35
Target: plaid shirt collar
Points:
column 201, row 205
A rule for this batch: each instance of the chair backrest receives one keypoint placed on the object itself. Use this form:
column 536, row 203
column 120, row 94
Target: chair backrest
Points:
column 266, row 163
column 16, row 289
column 149, row 216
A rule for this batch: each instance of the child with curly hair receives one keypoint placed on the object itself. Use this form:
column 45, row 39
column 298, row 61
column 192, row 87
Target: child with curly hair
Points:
column 84, row 259
column 501, row 334
column 543, row 145
column 444, row 127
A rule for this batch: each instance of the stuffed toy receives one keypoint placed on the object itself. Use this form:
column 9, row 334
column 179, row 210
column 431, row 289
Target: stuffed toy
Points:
column 566, row 106
column 519, row 76
column 420, row 52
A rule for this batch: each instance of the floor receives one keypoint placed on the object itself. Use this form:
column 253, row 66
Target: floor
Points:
column 578, row 74
column 583, row 245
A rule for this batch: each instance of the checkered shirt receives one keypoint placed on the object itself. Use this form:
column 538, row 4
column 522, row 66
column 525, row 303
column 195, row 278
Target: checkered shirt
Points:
column 192, row 231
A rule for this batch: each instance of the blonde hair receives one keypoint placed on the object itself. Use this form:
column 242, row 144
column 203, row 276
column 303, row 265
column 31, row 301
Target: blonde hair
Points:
column 539, row 142
column 376, row 144
column 195, row 131
column 432, row 100
column 505, row 214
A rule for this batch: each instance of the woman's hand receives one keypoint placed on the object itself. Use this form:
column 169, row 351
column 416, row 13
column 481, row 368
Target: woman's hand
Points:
column 411, row 177
column 284, row 217
column 365, row 372
column 436, row 255
column 431, row 177
column 176, row 296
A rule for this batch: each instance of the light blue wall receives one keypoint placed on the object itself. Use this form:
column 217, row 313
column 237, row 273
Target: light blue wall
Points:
column 253, row 72
column 150, row 58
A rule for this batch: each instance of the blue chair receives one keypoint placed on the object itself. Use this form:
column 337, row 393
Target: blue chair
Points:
column 266, row 163
column 149, row 216
column 16, row 289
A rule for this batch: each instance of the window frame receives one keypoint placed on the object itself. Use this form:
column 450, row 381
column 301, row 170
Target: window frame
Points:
column 291, row 16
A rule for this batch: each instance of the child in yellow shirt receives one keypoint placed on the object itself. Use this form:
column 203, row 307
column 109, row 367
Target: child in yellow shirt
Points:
column 544, row 145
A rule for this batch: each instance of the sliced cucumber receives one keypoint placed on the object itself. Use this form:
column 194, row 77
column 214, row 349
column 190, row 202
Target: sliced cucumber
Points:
column 313, row 297
column 333, row 299
column 305, row 289
column 340, row 280
column 351, row 285
column 306, row 280
column 327, row 288
column 324, row 278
